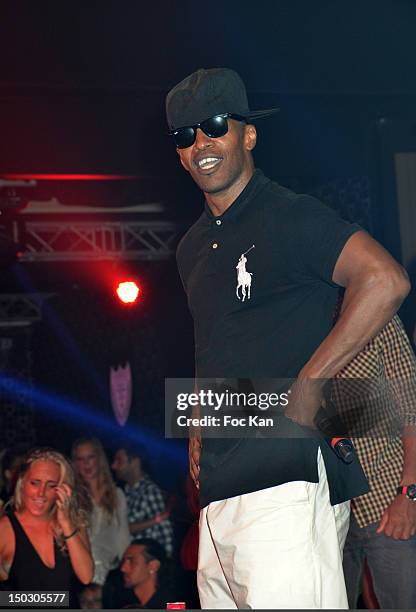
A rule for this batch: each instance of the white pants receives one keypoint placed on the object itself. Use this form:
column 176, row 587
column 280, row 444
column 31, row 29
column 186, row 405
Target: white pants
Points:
column 276, row 548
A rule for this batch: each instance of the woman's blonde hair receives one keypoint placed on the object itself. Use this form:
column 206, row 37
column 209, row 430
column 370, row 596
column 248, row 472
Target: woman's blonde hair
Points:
column 77, row 514
column 106, row 485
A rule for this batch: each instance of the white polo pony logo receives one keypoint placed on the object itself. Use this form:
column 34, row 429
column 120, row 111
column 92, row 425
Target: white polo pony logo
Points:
column 243, row 277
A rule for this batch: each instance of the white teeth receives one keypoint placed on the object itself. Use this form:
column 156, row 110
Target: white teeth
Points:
column 208, row 162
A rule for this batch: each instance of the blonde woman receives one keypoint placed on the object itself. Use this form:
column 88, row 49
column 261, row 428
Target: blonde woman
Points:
column 43, row 540
column 107, row 522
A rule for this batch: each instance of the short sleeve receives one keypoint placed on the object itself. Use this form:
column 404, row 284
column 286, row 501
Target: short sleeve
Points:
column 319, row 235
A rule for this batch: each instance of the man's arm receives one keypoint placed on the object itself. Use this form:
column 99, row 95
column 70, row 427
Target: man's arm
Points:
column 139, row 526
column 399, row 519
column 152, row 505
column 400, row 522
column 375, row 286
column 195, row 447
column 195, row 442
column 409, row 447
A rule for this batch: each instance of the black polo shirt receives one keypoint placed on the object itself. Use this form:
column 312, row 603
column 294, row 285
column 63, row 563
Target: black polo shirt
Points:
column 286, row 246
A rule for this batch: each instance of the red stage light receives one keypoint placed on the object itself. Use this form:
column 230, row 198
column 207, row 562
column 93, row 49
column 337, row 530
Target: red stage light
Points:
column 128, row 292
column 69, row 177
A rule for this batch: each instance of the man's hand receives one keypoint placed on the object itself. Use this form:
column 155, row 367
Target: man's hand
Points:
column 399, row 519
column 305, row 399
column 195, row 446
column 162, row 516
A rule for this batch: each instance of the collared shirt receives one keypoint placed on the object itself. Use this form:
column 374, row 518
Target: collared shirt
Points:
column 259, row 284
column 144, row 502
column 270, row 325
column 380, row 400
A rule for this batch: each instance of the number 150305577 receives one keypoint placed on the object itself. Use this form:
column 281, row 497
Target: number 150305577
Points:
column 34, row 598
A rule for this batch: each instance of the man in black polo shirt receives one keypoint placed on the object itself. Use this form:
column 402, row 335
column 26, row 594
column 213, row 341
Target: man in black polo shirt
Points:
column 261, row 268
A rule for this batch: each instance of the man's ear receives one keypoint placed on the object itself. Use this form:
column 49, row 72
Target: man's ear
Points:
column 184, row 164
column 250, row 137
column 154, row 565
column 135, row 461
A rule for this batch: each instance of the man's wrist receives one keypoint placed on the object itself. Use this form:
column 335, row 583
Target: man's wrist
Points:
column 310, row 384
column 407, row 479
column 408, row 490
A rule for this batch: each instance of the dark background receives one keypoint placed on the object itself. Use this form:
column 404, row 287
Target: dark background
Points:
column 82, row 84
column 82, row 87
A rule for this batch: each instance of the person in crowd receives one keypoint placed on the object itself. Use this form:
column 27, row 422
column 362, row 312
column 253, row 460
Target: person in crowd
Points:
column 381, row 402
column 11, row 461
column 43, row 538
column 115, row 594
column 147, row 513
column 106, row 505
column 261, row 268
column 145, row 571
column 90, row 597
column 189, row 546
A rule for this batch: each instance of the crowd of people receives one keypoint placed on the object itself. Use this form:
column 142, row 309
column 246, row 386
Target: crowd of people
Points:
column 274, row 525
column 106, row 534
column 67, row 525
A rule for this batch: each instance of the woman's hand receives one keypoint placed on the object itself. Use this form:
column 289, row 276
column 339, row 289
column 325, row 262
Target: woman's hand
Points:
column 76, row 538
column 63, row 498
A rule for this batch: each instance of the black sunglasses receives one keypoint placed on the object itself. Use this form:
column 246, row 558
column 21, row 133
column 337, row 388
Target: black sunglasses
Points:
column 214, row 127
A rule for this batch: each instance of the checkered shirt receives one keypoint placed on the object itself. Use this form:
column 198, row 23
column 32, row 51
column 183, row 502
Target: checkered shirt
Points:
column 144, row 502
column 376, row 396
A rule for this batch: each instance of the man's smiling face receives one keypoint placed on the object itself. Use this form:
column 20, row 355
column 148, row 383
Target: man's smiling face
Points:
column 216, row 164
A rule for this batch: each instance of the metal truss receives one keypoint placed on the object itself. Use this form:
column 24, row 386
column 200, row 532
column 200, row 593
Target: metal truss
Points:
column 18, row 309
column 61, row 240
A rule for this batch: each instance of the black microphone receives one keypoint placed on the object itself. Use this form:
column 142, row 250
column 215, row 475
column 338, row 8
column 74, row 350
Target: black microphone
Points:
column 331, row 426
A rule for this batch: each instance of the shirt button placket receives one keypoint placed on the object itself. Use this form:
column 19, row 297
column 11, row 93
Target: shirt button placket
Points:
column 215, row 244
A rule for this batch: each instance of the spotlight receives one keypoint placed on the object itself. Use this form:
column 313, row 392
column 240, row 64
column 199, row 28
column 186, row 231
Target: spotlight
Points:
column 128, row 291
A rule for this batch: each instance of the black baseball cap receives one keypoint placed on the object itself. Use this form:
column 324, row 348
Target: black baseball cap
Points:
column 206, row 93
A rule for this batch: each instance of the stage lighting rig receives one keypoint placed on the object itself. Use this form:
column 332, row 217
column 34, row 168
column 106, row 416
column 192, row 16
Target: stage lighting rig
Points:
column 15, row 194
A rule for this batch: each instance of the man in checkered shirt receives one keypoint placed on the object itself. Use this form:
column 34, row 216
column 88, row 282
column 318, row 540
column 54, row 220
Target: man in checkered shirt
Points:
column 147, row 514
column 376, row 394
